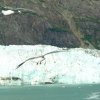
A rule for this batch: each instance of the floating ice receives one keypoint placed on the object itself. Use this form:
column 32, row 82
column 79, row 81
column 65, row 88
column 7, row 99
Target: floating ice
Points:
column 94, row 96
column 73, row 66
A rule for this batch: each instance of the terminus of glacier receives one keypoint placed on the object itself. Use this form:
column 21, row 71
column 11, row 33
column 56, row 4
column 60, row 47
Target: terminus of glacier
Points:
column 75, row 66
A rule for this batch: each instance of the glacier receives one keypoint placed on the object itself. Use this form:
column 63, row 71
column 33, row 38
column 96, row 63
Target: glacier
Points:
column 70, row 66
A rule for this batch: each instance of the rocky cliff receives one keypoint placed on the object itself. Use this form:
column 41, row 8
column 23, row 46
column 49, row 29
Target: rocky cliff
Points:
column 62, row 23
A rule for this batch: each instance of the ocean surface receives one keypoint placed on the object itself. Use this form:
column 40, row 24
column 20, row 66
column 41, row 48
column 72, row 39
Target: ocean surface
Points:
column 51, row 92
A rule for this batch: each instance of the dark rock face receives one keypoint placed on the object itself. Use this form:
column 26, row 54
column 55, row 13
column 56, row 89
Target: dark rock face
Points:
column 62, row 23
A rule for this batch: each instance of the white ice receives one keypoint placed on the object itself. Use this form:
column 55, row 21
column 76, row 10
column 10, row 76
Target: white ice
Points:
column 7, row 12
column 73, row 66
column 94, row 96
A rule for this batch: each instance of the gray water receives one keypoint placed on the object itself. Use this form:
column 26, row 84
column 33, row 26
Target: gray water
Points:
column 51, row 92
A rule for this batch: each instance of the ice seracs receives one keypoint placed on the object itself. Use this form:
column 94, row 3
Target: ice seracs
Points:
column 72, row 66
column 7, row 12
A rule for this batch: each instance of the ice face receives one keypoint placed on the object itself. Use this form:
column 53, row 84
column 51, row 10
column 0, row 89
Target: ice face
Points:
column 73, row 66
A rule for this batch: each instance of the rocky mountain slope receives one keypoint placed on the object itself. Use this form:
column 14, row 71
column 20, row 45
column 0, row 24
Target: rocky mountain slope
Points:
column 62, row 23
